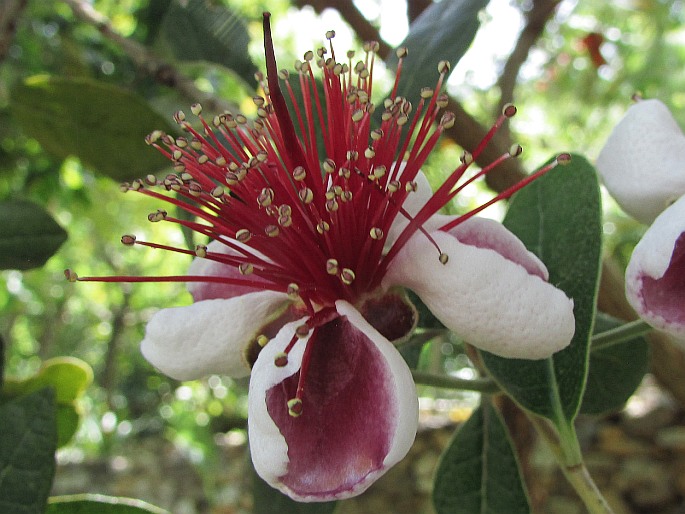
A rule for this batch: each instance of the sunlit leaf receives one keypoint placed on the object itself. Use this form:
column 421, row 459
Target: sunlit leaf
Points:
column 30, row 236
column 101, row 124
column 68, row 377
column 478, row 471
column 615, row 371
column 28, row 438
column 558, row 217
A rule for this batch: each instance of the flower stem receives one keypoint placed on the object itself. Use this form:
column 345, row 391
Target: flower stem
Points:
column 481, row 385
column 576, row 473
column 620, row 334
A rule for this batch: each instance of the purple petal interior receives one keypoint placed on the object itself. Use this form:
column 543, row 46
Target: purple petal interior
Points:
column 666, row 296
column 349, row 413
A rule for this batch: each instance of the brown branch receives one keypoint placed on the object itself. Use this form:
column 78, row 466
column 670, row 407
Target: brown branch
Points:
column 10, row 12
column 161, row 71
column 536, row 19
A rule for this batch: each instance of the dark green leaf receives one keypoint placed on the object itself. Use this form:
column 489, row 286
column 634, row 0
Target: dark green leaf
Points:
column 444, row 31
column 28, row 438
column 268, row 500
column 99, row 504
column 615, row 371
column 101, row 124
column 30, row 235
column 558, row 217
column 68, row 377
column 479, row 472
column 198, row 31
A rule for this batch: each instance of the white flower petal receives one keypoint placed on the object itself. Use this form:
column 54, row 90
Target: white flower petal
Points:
column 360, row 410
column 490, row 301
column 210, row 336
column 655, row 276
column 488, row 233
column 642, row 163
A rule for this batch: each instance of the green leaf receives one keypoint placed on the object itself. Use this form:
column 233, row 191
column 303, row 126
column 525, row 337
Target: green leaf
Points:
column 30, row 236
column 199, row 31
column 444, row 31
column 558, row 217
column 99, row 504
column 478, row 472
column 69, row 378
column 101, row 124
column 28, row 438
column 268, row 500
column 615, row 371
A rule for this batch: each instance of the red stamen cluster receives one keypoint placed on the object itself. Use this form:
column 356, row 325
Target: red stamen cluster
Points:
column 311, row 225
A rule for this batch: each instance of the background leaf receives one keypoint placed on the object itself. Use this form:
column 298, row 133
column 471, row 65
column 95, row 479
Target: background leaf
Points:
column 28, row 438
column 444, row 31
column 69, row 378
column 198, row 31
column 99, row 504
column 614, row 372
column 30, row 236
column 101, row 124
column 479, row 472
column 558, row 217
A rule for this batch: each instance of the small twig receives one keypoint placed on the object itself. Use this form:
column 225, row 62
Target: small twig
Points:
column 481, row 385
column 536, row 20
column 162, row 71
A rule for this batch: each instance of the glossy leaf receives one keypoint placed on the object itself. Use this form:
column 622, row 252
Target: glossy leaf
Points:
column 68, row 377
column 444, row 31
column 615, row 371
column 99, row 504
column 101, row 124
column 30, row 236
column 268, row 500
column 28, row 439
column 478, row 471
column 558, row 217
column 199, row 31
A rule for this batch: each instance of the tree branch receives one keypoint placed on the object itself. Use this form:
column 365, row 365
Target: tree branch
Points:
column 536, row 19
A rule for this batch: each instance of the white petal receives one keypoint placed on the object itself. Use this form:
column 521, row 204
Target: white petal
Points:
column 342, row 469
column 655, row 276
column 642, row 163
column 210, row 336
column 490, row 301
column 488, row 233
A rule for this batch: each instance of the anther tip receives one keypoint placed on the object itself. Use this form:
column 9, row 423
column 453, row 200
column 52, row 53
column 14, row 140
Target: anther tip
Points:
column 563, row 158
column 295, row 407
column 70, row 275
column 509, row 110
